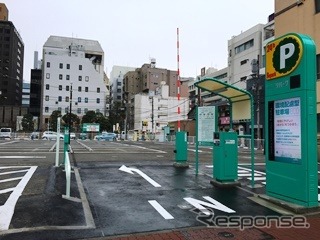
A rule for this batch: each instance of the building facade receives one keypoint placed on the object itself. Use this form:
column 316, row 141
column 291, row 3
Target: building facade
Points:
column 300, row 17
column 72, row 77
column 11, row 64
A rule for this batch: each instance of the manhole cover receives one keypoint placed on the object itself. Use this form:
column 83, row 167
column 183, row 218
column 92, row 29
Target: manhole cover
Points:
column 225, row 234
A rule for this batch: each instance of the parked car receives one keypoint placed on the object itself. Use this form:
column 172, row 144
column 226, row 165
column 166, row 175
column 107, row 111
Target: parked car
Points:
column 50, row 135
column 72, row 136
column 5, row 133
column 106, row 137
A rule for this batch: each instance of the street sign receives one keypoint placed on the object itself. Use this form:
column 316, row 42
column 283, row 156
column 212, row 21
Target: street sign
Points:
column 91, row 127
column 290, row 117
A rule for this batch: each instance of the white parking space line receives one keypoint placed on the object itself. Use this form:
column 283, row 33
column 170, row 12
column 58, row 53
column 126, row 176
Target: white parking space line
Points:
column 10, row 179
column 160, row 210
column 6, row 173
column 6, row 190
column 22, row 157
column 7, row 210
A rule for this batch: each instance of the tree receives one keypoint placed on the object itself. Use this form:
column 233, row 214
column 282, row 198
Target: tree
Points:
column 75, row 121
column 27, row 123
column 105, row 125
column 54, row 119
column 89, row 117
column 117, row 114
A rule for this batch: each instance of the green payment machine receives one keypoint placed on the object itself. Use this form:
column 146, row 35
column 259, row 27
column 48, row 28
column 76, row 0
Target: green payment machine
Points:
column 181, row 151
column 225, row 156
column 290, row 117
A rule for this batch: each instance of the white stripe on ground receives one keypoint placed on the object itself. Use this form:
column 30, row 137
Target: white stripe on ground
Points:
column 7, row 210
column 160, row 209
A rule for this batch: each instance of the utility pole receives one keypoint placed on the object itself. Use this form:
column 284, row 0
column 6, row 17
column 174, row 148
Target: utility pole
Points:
column 70, row 110
column 152, row 115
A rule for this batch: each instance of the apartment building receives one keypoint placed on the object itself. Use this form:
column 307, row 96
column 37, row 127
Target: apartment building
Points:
column 72, row 76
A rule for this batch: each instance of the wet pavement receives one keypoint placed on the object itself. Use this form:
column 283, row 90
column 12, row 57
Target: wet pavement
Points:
column 142, row 199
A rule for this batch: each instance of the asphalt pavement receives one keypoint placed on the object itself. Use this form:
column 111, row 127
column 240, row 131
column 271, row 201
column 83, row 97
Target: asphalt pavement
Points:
column 131, row 190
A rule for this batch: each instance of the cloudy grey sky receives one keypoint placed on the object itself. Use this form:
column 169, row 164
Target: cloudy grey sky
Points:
column 132, row 31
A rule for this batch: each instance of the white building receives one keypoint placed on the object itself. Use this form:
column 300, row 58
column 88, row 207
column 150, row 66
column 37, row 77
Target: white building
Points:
column 152, row 113
column 72, row 64
column 116, row 80
column 242, row 49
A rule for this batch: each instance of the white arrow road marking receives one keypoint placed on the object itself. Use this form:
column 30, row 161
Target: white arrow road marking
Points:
column 164, row 213
column 7, row 210
column 146, row 177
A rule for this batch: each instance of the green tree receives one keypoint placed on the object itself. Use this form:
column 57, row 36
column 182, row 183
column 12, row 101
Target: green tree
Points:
column 75, row 121
column 27, row 123
column 54, row 119
column 104, row 122
column 117, row 114
column 89, row 117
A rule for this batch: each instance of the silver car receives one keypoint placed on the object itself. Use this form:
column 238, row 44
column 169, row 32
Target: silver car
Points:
column 50, row 135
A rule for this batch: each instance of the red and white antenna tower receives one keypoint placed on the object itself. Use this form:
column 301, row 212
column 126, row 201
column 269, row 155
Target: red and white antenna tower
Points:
column 178, row 79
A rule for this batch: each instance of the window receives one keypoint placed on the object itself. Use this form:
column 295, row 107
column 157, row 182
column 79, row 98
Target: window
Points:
column 61, row 65
column 80, row 67
column 79, row 110
column 79, row 99
column 60, row 99
column 48, row 64
column 68, row 77
column 87, row 78
column 85, row 110
column 46, row 109
column 68, row 66
column 48, row 76
column 98, row 100
column 67, row 88
column 67, row 99
column 86, row 89
column 80, row 78
column 59, row 109
column 97, row 110
column 66, row 110
column 98, row 90
column 60, row 87
column 60, row 76
column 244, row 46
column 244, row 61
column 86, row 100
column 317, row 6
column 47, row 86
column 47, row 97
column 79, row 89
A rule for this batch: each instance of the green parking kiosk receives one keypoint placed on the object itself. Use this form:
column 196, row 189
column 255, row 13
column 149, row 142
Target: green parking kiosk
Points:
column 290, row 117
column 225, row 156
column 181, row 151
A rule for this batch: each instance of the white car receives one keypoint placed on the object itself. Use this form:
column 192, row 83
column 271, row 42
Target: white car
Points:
column 50, row 135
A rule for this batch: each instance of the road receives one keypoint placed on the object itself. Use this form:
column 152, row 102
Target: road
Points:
column 117, row 188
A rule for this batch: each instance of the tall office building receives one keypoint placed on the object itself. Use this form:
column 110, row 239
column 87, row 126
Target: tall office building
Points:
column 11, row 61
column 73, row 76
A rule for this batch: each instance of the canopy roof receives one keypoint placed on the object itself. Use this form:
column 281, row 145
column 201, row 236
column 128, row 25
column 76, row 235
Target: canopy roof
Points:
column 232, row 93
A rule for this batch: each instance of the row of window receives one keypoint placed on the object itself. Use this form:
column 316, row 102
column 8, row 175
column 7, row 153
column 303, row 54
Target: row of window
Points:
column 244, row 46
column 61, row 66
column 66, row 110
column 86, row 100
column 86, row 89
column 68, row 77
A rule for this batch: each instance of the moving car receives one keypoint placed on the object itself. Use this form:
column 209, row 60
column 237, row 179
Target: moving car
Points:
column 72, row 136
column 50, row 135
column 106, row 137
column 34, row 135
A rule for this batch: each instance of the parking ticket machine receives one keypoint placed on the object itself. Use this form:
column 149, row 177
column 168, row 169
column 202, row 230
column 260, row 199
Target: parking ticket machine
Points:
column 225, row 156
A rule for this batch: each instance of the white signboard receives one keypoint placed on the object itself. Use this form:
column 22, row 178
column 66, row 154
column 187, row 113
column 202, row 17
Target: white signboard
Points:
column 287, row 130
column 206, row 122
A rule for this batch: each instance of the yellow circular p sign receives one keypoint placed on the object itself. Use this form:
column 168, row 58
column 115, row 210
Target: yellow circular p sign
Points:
column 283, row 55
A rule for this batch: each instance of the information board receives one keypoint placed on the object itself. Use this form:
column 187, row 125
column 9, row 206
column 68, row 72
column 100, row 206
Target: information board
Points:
column 206, row 124
column 287, row 130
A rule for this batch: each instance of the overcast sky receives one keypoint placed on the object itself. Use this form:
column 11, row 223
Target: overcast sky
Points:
column 132, row 31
